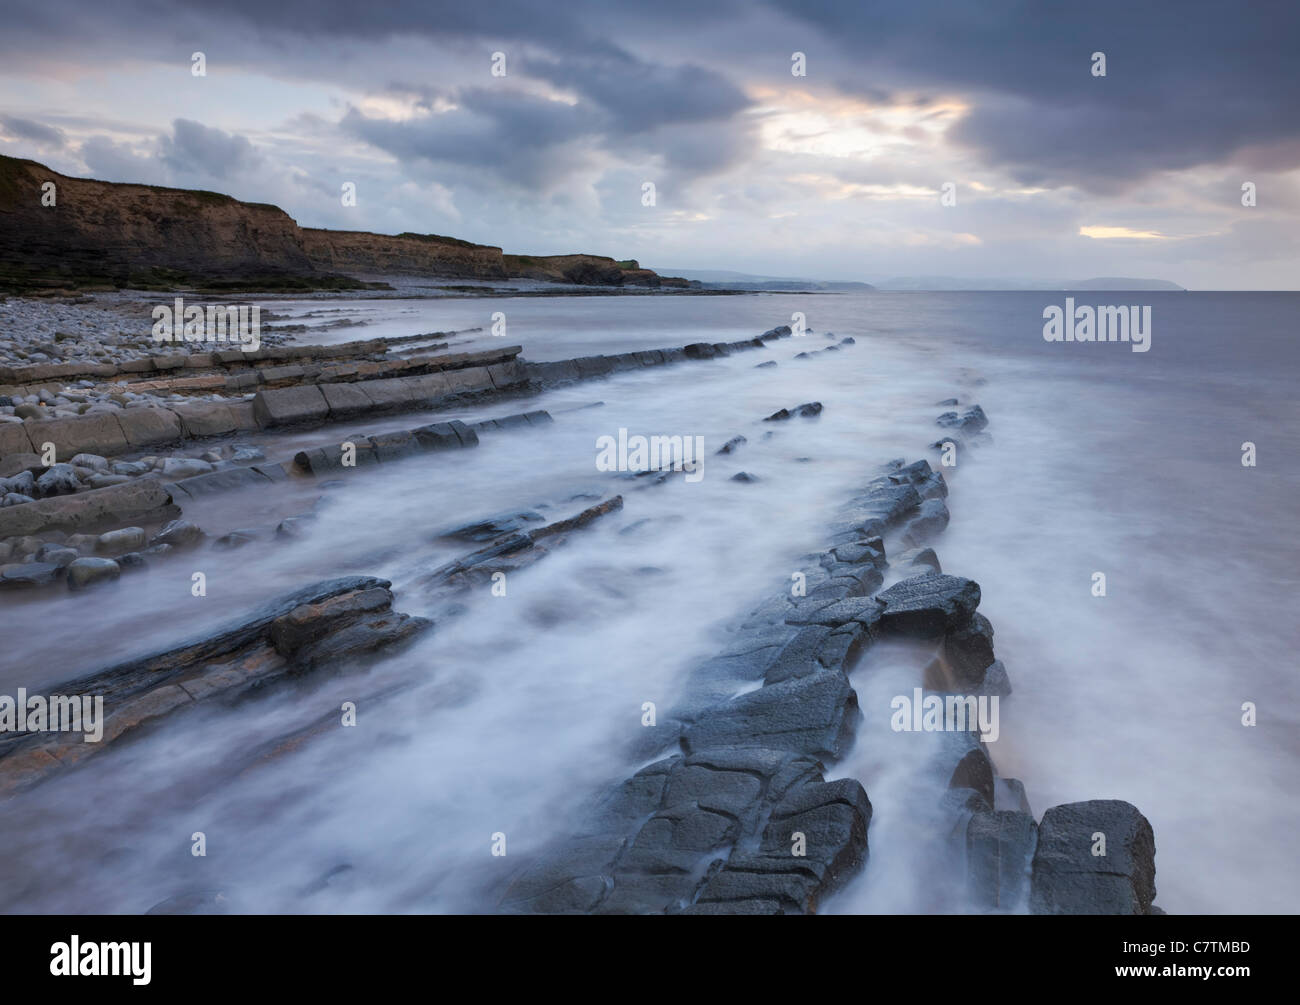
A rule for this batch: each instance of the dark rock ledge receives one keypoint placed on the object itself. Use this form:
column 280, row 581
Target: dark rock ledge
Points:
column 739, row 818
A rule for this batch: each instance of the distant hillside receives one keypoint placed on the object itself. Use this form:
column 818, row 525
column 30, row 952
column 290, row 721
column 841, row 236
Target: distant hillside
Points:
column 105, row 233
column 939, row 283
column 722, row 279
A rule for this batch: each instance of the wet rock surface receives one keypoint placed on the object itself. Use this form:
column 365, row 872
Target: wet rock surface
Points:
column 1095, row 857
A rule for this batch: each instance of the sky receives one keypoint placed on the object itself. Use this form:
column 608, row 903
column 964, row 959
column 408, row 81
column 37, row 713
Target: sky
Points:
column 536, row 126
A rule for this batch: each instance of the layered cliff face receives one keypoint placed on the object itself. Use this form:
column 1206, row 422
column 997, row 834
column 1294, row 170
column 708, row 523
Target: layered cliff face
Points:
column 355, row 251
column 57, row 231
column 104, row 232
column 586, row 270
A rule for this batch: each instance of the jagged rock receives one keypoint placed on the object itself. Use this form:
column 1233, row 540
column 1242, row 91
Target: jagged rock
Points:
column 491, row 528
column 87, row 572
column 931, row 519
column 387, row 629
column 291, row 631
column 913, row 474
column 871, row 550
column 968, row 649
column 971, row 421
column 974, row 771
column 1009, row 794
column 996, row 681
column 732, row 444
column 807, row 410
column 743, row 476
column 919, row 558
column 827, row 821
column 928, row 605
column 999, row 849
column 816, row 714
column 1068, row 878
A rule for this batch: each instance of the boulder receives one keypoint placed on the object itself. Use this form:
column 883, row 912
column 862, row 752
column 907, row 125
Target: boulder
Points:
column 87, row 572
column 930, row 520
column 59, row 480
column 116, row 504
column 919, row 558
column 807, row 410
column 1071, row 877
column 928, row 605
column 999, row 851
column 971, row 421
column 120, row 541
column 178, row 534
column 29, row 574
column 968, row 650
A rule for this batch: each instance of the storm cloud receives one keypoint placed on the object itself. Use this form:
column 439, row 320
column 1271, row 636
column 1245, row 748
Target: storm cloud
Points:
column 1138, row 171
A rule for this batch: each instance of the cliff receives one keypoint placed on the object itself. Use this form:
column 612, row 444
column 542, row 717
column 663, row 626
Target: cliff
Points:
column 102, row 232
column 105, row 233
column 357, row 251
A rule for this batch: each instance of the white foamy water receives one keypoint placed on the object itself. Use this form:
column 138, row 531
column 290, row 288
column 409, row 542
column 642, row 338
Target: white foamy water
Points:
column 509, row 717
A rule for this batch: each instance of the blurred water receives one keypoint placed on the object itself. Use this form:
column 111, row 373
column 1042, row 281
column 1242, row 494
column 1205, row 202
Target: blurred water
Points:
column 510, row 716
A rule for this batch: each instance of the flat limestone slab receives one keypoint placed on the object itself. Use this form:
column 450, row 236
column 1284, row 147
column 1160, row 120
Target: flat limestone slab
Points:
column 288, row 405
column 115, row 504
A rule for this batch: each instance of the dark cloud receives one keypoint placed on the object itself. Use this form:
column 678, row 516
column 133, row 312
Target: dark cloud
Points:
column 503, row 133
column 35, row 132
column 640, row 96
column 196, row 149
column 1186, row 84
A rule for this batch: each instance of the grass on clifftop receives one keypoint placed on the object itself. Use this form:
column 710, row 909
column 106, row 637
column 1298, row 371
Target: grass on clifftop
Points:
column 439, row 239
